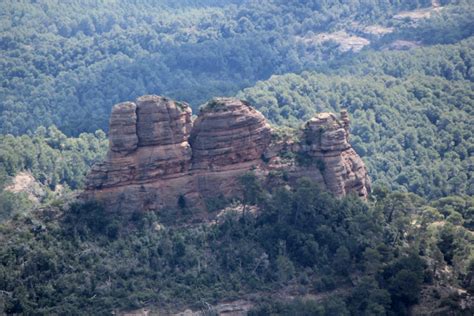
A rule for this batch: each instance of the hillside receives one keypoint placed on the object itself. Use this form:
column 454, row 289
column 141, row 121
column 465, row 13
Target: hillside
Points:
column 412, row 113
column 302, row 242
column 244, row 157
column 67, row 64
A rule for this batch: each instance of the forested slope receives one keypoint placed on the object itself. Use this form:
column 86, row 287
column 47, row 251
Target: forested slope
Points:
column 412, row 113
column 82, row 260
column 55, row 162
column 65, row 63
column 68, row 63
column 52, row 157
column 409, row 108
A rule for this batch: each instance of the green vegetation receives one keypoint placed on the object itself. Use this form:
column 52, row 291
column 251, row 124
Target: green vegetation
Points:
column 411, row 110
column 56, row 162
column 12, row 204
column 65, row 63
column 51, row 157
column 411, row 113
column 450, row 25
column 68, row 63
column 213, row 105
column 91, row 262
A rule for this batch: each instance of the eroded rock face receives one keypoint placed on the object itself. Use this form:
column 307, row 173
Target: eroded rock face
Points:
column 326, row 143
column 228, row 132
column 161, row 121
column 123, row 128
column 148, row 144
column 158, row 156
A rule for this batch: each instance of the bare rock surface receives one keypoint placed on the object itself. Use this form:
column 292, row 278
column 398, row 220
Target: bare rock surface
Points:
column 227, row 132
column 123, row 128
column 327, row 144
column 24, row 182
column 161, row 121
column 159, row 157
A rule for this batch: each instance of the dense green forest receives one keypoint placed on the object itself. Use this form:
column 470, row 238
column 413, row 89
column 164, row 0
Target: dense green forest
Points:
column 408, row 108
column 87, row 262
column 452, row 24
column 408, row 249
column 51, row 157
column 67, row 63
column 412, row 113
column 54, row 160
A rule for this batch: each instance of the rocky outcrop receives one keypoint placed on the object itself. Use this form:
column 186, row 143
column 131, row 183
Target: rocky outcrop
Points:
column 159, row 158
column 161, row 121
column 123, row 128
column 148, row 141
column 149, row 156
column 326, row 143
column 226, row 133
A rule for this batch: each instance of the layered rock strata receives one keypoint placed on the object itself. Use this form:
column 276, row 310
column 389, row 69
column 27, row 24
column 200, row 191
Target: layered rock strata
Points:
column 158, row 156
column 326, row 143
column 226, row 133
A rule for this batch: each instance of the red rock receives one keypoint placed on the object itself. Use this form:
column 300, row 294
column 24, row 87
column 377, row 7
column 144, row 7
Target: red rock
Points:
column 123, row 128
column 327, row 144
column 136, row 166
column 157, row 155
column 228, row 132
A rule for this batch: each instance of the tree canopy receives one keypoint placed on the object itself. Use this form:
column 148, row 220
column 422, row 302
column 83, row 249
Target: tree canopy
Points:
column 411, row 113
column 67, row 63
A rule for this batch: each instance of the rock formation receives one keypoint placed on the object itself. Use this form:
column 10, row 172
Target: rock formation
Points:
column 228, row 132
column 158, row 156
column 326, row 142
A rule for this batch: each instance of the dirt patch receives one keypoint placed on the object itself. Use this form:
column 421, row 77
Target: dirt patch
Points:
column 434, row 300
column 378, row 30
column 242, row 306
column 346, row 41
column 418, row 14
column 235, row 308
column 24, row 182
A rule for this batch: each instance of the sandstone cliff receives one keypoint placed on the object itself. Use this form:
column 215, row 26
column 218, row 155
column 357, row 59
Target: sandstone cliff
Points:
column 228, row 132
column 158, row 156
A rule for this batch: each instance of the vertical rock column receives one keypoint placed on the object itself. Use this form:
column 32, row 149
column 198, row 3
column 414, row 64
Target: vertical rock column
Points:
column 148, row 142
column 227, row 140
column 345, row 121
column 163, row 128
column 326, row 142
column 123, row 137
column 163, row 160
column 162, row 121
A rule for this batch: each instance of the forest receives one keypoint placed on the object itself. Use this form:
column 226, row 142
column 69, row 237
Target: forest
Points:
column 67, row 64
column 412, row 113
column 402, row 69
column 303, row 238
column 55, row 161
